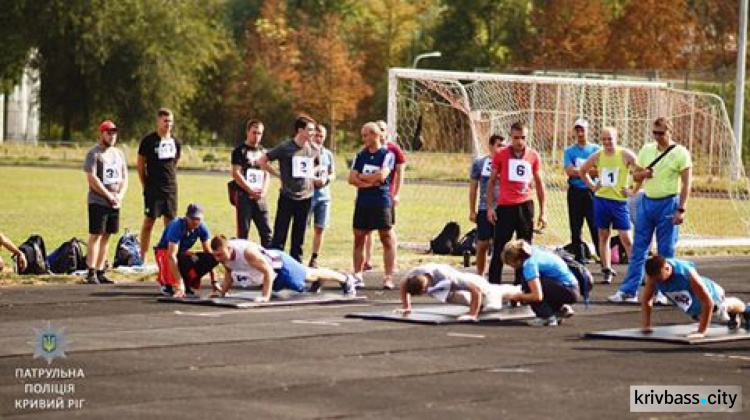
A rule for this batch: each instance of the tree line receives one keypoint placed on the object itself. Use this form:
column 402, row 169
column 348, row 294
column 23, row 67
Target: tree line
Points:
column 219, row 62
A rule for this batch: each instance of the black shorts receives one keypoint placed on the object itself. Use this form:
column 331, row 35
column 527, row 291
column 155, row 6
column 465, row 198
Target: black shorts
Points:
column 372, row 218
column 485, row 229
column 393, row 215
column 103, row 219
column 155, row 206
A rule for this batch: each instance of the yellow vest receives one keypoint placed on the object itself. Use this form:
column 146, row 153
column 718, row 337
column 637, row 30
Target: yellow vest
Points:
column 613, row 176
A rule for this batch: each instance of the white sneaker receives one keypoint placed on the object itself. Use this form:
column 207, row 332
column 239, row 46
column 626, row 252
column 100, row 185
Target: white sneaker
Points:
column 660, row 299
column 620, row 297
column 543, row 322
column 566, row 311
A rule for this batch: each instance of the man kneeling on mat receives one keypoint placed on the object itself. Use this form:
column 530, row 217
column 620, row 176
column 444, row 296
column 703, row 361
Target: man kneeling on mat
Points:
column 696, row 295
column 276, row 268
column 548, row 284
column 449, row 285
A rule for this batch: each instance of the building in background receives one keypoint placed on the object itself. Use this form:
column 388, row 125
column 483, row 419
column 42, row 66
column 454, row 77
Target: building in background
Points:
column 19, row 110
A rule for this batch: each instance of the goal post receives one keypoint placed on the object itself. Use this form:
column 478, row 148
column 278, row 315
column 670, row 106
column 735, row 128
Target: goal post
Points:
column 445, row 118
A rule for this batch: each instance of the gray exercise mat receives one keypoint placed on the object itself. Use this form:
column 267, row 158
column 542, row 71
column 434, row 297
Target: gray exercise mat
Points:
column 675, row 334
column 244, row 300
column 445, row 314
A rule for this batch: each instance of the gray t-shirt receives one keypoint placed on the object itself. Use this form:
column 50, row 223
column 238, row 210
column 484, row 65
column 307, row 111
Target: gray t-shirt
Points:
column 110, row 166
column 446, row 280
column 296, row 167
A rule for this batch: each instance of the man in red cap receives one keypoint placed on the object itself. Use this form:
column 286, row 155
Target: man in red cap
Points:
column 107, row 175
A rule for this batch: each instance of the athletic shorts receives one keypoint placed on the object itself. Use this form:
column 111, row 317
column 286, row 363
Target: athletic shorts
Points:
column 103, row 219
column 611, row 213
column 192, row 266
column 320, row 213
column 372, row 218
column 485, row 229
column 291, row 275
column 157, row 206
column 393, row 215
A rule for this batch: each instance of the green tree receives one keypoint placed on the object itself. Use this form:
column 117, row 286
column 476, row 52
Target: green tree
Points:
column 487, row 34
column 14, row 52
column 122, row 59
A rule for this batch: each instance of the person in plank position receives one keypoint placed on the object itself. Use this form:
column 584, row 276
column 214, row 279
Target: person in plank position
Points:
column 698, row 296
column 449, row 285
column 275, row 270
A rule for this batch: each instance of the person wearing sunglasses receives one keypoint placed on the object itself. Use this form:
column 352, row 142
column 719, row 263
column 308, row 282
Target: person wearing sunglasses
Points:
column 665, row 172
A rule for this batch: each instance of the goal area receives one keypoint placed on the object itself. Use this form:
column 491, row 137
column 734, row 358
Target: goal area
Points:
column 445, row 119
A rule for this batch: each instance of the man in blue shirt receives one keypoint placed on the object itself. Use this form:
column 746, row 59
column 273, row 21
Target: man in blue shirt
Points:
column 697, row 296
column 320, row 210
column 580, row 197
column 180, row 269
column 480, row 172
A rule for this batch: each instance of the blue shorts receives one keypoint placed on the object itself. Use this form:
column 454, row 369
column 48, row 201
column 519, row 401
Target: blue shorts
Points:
column 485, row 229
column 320, row 213
column 291, row 275
column 612, row 213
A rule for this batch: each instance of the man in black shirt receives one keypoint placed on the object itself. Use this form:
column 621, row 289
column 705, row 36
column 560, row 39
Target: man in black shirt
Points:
column 158, row 155
column 252, row 185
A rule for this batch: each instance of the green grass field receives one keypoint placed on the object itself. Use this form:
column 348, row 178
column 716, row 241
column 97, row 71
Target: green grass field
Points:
column 51, row 201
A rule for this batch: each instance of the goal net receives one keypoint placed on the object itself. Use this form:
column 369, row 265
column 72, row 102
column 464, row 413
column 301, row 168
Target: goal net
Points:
column 446, row 118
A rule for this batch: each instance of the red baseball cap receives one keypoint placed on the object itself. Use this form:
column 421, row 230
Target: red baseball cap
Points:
column 107, row 125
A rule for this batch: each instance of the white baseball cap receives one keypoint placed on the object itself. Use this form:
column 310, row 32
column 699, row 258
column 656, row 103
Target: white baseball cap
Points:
column 581, row 122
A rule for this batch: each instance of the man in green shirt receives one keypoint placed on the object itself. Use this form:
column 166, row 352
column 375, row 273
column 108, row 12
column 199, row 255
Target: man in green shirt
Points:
column 662, row 210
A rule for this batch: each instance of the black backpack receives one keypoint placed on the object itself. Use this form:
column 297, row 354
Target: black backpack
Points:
column 580, row 252
column 447, row 239
column 128, row 253
column 67, row 258
column 583, row 275
column 466, row 245
column 36, row 256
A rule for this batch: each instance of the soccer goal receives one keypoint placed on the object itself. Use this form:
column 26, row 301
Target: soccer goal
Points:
column 445, row 119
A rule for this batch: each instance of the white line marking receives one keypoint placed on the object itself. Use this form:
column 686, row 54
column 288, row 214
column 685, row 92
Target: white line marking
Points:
column 311, row 322
column 466, row 335
column 511, row 370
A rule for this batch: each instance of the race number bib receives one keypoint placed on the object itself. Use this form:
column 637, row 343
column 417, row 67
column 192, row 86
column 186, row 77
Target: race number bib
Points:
column 681, row 299
column 487, row 168
column 609, row 177
column 111, row 173
column 370, row 169
column 254, row 178
column 302, row 167
column 247, row 279
column 167, row 149
column 519, row 170
column 578, row 163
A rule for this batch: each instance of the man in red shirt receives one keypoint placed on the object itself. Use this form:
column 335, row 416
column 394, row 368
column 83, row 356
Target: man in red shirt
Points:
column 514, row 167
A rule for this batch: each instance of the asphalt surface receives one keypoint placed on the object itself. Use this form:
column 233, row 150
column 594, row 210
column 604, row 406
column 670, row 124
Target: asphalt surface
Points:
column 143, row 359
